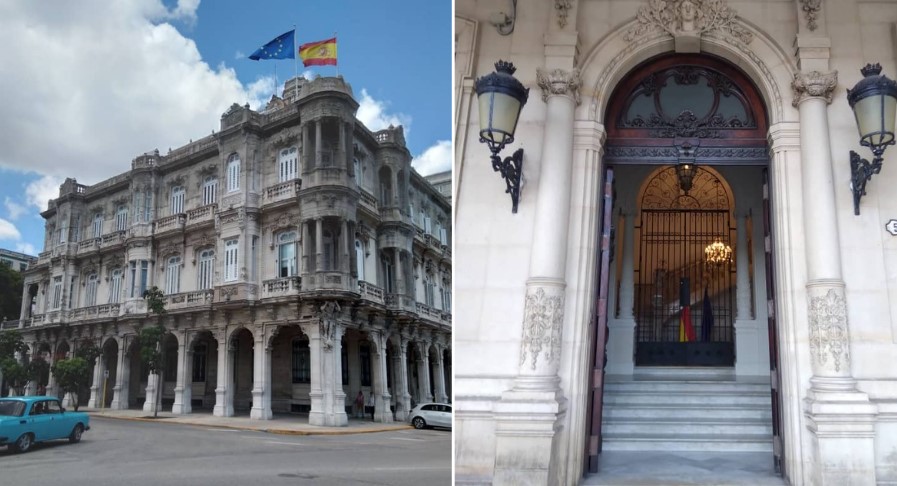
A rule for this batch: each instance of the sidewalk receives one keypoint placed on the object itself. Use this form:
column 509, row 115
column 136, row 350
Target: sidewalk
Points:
column 289, row 424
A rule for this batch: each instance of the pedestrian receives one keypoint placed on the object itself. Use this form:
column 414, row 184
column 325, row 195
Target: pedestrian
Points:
column 371, row 404
column 41, row 390
column 359, row 404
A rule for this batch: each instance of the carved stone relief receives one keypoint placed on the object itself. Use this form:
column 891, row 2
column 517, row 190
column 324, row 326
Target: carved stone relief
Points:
column 678, row 17
column 542, row 320
column 327, row 316
column 811, row 9
column 813, row 85
column 828, row 330
column 559, row 82
column 562, row 7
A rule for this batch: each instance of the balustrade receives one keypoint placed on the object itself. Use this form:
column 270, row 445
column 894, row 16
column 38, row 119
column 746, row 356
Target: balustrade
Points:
column 282, row 191
column 281, row 286
column 201, row 214
column 369, row 291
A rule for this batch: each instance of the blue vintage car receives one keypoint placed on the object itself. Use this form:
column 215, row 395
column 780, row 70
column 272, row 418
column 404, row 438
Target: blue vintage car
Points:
column 26, row 420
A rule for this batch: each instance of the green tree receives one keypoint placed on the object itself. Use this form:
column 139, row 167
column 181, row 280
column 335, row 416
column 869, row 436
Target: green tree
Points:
column 72, row 375
column 152, row 352
column 14, row 374
column 10, row 343
column 11, row 288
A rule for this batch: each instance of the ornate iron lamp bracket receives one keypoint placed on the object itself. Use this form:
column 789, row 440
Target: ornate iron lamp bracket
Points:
column 511, row 168
column 861, row 171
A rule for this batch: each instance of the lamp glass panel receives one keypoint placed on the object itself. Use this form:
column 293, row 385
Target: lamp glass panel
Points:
column 498, row 111
column 868, row 112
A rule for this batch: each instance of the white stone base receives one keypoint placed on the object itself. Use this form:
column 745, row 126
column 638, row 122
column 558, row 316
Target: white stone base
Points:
column 843, row 426
column 525, row 426
column 751, row 349
column 620, row 347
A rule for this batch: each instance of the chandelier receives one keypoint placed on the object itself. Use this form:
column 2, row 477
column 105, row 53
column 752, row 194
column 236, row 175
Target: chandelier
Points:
column 718, row 253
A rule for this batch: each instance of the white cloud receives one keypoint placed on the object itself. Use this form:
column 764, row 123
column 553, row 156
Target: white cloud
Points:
column 14, row 209
column 8, row 231
column 104, row 88
column 373, row 114
column 26, row 248
column 436, row 158
column 39, row 191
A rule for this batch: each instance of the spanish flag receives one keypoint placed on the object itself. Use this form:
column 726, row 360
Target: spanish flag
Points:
column 686, row 329
column 319, row 53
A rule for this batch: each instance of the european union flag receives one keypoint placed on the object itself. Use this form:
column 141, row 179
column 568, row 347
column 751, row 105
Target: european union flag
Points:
column 283, row 47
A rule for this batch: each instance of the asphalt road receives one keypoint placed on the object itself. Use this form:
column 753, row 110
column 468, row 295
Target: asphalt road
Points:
column 117, row 452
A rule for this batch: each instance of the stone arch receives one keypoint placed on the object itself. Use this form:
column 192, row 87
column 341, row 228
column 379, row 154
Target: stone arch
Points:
column 241, row 344
column 203, row 370
column 290, row 370
column 110, row 348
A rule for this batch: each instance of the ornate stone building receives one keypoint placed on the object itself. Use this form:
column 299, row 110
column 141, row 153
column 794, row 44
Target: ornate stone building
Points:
column 301, row 257
column 686, row 166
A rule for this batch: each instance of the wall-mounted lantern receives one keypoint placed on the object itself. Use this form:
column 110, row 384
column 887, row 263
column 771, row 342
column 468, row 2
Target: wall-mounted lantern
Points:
column 874, row 104
column 501, row 97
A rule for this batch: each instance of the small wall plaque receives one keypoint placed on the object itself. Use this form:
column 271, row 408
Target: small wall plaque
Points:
column 892, row 227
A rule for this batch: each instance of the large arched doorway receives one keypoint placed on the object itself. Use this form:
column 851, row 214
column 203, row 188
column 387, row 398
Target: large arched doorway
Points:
column 686, row 326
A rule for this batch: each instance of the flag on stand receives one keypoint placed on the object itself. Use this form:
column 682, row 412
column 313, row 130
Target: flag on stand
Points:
column 686, row 330
column 706, row 318
column 319, row 53
column 281, row 47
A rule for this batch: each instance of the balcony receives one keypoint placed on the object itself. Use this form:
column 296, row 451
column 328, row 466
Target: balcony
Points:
column 189, row 299
column 43, row 257
column 326, row 280
column 9, row 324
column 113, row 239
column 368, row 202
column 281, row 287
column 237, row 291
column 401, row 302
column 370, row 292
column 201, row 215
column 175, row 222
column 89, row 245
column 95, row 312
column 282, row 192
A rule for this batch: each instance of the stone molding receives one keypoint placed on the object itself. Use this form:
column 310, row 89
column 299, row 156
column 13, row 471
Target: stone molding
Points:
column 562, row 7
column 813, row 85
column 688, row 17
column 828, row 330
column 811, row 9
column 559, row 82
column 328, row 322
column 543, row 317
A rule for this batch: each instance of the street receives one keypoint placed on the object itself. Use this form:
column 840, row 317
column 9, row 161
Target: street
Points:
column 118, row 452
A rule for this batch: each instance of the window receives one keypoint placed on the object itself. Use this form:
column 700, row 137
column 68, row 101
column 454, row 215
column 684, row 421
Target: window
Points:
column 357, row 171
column 199, row 363
column 286, row 254
column 420, row 224
column 147, row 207
column 364, row 354
column 115, row 286
column 443, row 236
column 139, row 274
column 76, row 229
column 447, row 299
column 57, row 293
column 173, row 275
column 98, row 225
column 209, row 190
column 90, row 295
column 387, row 282
column 428, row 290
column 177, row 200
column 329, row 251
column 254, row 257
column 63, row 234
column 230, row 260
column 121, row 218
column 344, row 357
column 233, row 173
column 359, row 259
column 301, row 361
column 427, row 226
column 206, row 269
column 289, row 164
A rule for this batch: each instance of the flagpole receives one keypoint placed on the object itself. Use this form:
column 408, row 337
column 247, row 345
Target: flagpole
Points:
column 337, row 57
column 296, row 62
column 275, row 78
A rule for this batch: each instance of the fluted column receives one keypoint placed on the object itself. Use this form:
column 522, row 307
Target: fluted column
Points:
column 328, row 400
column 345, row 247
column 841, row 418
column 318, row 148
column 224, row 405
column 96, row 386
column 423, row 373
column 306, row 249
column 121, row 390
column 306, row 149
column 439, row 377
column 381, row 393
column 261, row 377
column 181, row 381
column 319, row 244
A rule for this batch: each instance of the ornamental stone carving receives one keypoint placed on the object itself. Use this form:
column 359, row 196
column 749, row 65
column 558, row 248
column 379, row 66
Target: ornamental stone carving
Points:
column 562, row 7
column 542, row 320
column 695, row 17
column 828, row 330
column 328, row 321
column 559, row 82
column 811, row 9
column 813, row 85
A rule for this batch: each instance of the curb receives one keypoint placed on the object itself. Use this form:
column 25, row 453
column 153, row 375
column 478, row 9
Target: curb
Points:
column 335, row 431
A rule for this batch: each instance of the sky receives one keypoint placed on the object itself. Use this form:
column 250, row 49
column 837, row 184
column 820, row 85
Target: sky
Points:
column 89, row 85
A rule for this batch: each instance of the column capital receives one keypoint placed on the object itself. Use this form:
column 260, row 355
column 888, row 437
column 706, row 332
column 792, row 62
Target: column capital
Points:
column 813, row 84
column 559, row 82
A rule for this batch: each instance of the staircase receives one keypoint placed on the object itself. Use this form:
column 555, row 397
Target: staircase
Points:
column 686, row 409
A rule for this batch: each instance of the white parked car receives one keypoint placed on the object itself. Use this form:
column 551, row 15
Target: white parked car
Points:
column 431, row 415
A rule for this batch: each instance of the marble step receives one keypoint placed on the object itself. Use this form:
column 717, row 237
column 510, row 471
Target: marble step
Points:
column 669, row 373
column 685, row 386
column 709, row 398
column 652, row 425
column 664, row 411
column 687, row 442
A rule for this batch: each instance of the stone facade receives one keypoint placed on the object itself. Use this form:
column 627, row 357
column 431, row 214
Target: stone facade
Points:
column 529, row 280
column 301, row 257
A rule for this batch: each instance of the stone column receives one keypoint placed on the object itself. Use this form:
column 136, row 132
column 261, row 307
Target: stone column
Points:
column 224, row 398
column 122, row 386
column 319, row 244
column 524, row 441
column 403, row 398
column 621, row 330
column 341, row 147
column 347, row 247
column 261, row 377
column 96, row 386
column 306, row 150
column 439, row 377
column 381, row 393
column 51, row 380
column 398, row 276
column 747, row 329
column 328, row 400
column 183, row 390
column 423, row 373
column 306, row 249
column 840, row 417
column 153, row 386
column 318, row 150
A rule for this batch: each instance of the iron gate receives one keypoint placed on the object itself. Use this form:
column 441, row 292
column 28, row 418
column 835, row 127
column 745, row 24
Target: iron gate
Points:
column 676, row 286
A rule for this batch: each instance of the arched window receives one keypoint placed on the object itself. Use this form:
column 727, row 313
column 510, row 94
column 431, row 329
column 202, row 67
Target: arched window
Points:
column 428, row 289
column 231, row 249
column 176, row 205
column 233, row 173
column 97, row 225
column 359, row 259
column 289, row 164
column 115, row 282
column 301, row 361
column 209, row 190
column 173, row 275
column 90, row 294
column 121, row 218
column 206, row 269
column 286, row 254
